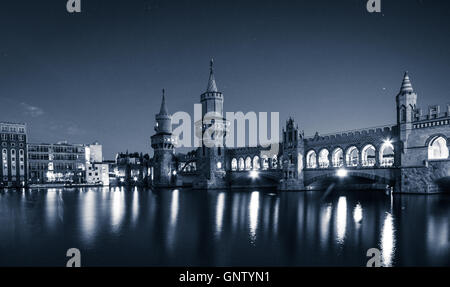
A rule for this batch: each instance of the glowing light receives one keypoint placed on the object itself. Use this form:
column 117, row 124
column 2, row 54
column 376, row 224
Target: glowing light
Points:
column 341, row 219
column 135, row 178
column 174, row 172
column 388, row 142
column 219, row 165
column 357, row 213
column 341, row 172
column 122, row 179
column 254, row 174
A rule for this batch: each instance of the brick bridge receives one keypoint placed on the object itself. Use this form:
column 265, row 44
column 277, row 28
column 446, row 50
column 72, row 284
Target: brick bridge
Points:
column 410, row 156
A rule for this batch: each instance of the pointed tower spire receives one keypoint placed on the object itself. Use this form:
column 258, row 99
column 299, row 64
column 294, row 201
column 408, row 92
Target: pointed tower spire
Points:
column 406, row 84
column 212, row 87
column 163, row 110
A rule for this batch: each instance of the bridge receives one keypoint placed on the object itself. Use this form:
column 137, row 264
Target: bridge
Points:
column 410, row 156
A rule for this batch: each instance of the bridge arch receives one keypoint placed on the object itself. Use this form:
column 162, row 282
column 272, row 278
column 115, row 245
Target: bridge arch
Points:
column 337, row 157
column 368, row 155
column 437, row 147
column 311, row 159
column 256, row 163
column 241, row 164
column 248, row 163
column 352, row 156
column 234, row 164
column 386, row 154
column 324, row 161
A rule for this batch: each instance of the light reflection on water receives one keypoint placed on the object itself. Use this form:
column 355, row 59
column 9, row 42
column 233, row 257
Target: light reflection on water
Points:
column 120, row 226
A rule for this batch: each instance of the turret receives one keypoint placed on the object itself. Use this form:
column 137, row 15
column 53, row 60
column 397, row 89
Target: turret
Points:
column 406, row 101
column 163, row 119
column 163, row 144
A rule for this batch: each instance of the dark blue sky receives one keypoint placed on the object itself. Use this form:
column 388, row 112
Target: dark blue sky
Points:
column 98, row 75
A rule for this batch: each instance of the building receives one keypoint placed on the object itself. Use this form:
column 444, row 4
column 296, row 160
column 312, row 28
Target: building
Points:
column 13, row 138
column 131, row 169
column 409, row 156
column 56, row 163
column 97, row 171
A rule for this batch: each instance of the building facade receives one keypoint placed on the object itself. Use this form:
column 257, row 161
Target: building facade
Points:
column 13, row 139
column 57, row 163
column 97, row 171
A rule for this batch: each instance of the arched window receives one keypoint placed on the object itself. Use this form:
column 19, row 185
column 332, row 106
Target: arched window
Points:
column 368, row 155
column 323, row 158
column 265, row 162
column 256, row 163
column 311, row 161
column 275, row 162
column 338, row 157
column 351, row 156
column 241, row 164
column 403, row 114
column 5, row 162
column 438, row 149
column 248, row 163
column 234, row 164
column 387, row 154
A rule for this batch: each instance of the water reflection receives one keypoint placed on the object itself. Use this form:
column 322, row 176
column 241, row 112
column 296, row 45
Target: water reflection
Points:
column 88, row 208
column 183, row 227
column 387, row 240
column 357, row 213
column 220, row 207
column 117, row 208
column 253, row 210
column 341, row 219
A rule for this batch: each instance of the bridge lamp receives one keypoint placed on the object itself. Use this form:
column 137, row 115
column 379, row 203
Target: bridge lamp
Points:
column 388, row 142
column 341, row 172
column 135, row 178
column 254, row 174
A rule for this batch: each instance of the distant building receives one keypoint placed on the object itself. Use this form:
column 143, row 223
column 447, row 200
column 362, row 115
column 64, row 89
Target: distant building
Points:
column 97, row 171
column 132, row 168
column 13, row 154
column 57, row 163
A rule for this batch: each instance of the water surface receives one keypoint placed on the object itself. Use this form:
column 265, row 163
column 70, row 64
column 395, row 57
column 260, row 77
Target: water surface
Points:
column 134, row 227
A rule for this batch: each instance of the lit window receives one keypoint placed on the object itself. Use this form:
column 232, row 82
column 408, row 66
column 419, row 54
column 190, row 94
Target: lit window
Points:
column 437, row 149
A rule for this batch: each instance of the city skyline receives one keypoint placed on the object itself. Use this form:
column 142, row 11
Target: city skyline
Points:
column 118, row 57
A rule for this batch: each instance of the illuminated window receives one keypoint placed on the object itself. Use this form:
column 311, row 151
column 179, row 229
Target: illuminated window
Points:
column 338, row 157
column 248, row 163
column 368, row 155
column 323, row 158
column 241, row 164
column 387, row 154
column 256, row 163
column 234, row 164
column 352, row 156
column 311, row 159
column 438, row 149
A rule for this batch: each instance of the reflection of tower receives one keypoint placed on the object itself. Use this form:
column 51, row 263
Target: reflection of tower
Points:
column 292, row 164
column 163, row 144
column 212, row 130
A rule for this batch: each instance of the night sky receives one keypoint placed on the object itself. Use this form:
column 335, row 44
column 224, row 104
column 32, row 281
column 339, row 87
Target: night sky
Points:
column 98, row 75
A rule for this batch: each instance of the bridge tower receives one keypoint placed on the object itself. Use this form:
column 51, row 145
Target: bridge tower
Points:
column 212, row 128
column 292, row 153
column 406, row 107
column 163, row 143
